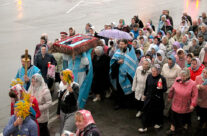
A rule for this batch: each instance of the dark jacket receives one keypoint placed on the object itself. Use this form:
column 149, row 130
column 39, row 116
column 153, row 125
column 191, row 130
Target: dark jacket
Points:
column 42, row 63
column 69, row 103
column 167, row 28
column 195, row 50
column 154, row 96
column 100, row 73
column 90, row 130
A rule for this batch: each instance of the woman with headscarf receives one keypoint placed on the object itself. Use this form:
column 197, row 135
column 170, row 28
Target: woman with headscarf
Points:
column 139, row 82
column 185, row 44
column 100, row 73
column 171, row 40
column 181, row 58
column 39, row 89
column 176, row 46
column 167, row 26
column 17, row 92
column 183, row 94
column 201, row 82
column 178, row 37
column 160, row 58
column 195, row 48
column 143, row 44
column 164, row 45
column 196, row 68
column 161, row 23
column 67, row 101
column 122, row 26
column 141, row 34
column 139, row 53
column 203, row 56
column 154, row 102
column 170, row 71
column 85, row 124
column 191, row 35
column 21, row 123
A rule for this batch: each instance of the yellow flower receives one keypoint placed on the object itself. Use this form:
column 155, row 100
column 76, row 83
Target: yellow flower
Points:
column 23, row 109
column 68, row 76
column 17, row 81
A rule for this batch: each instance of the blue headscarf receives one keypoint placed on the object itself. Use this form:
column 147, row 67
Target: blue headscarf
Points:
column 172, row 57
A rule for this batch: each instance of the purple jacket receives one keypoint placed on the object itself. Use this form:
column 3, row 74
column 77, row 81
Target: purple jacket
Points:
column 28, row 128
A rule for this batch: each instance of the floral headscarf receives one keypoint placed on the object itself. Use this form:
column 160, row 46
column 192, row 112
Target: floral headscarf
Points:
column 88, row 118
column 198, row 63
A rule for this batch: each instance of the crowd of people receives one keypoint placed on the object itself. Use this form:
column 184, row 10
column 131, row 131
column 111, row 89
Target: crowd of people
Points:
column 161, row 71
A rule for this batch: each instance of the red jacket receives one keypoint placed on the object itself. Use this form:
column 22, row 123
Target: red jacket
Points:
column 34, row 106
column 183, row 96
column 194, row 74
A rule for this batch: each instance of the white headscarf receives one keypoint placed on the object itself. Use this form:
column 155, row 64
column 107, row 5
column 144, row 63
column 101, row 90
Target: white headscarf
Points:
column 38, row 87
column 161, row 52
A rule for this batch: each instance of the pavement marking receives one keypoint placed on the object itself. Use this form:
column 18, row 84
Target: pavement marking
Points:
column 74, row 6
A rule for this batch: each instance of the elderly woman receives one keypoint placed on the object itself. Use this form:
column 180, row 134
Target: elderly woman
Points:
column 161, row 23
column 170, row 71
column 196, row 68
column 195, row 48
column 176, row 46
column 181, row 58
column 160, row 58
column 183, row 94
column 154, row 102
column 143, row 43
column 39, row 89
column 171, row 40
column 165, row 46
column 67, row 101
column 178, row 36
column 100, row 69
column 201, row 82
column 85, row 124
column 139, row 82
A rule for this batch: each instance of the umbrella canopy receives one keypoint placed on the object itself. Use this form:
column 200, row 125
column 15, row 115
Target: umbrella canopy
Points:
column 115, row 34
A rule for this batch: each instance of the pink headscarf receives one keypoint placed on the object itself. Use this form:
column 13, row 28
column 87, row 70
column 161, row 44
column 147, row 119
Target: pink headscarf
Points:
column 88, row 118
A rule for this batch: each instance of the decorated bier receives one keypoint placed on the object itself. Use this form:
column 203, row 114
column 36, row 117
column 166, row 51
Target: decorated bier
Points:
column 75, row 45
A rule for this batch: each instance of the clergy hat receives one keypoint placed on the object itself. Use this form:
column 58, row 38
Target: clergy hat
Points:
column 64, row 33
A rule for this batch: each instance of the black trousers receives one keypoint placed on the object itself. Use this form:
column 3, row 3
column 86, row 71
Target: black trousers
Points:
column 44, row 129
column 203, row 115
column 179, row 120
column 139, row 104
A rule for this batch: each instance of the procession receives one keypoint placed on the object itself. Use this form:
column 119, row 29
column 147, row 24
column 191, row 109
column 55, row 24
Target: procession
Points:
column 159, row 71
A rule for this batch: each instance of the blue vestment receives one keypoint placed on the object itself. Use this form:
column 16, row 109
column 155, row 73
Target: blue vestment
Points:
column 127, row 68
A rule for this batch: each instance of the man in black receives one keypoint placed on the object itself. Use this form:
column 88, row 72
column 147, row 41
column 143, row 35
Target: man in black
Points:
column 41, row 61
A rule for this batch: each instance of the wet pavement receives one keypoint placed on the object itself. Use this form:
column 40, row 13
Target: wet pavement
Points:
column 23, row 21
